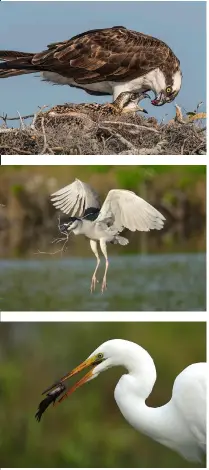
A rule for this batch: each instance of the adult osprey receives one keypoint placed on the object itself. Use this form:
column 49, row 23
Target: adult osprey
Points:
column 104, row 62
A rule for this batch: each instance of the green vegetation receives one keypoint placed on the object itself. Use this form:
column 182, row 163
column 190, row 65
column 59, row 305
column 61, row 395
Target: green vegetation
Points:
column 178, row 191
column 86, row 430
column 126, row 176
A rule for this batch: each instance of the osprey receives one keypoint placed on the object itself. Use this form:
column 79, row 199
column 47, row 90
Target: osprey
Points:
column 126, row 102
column 104, row 62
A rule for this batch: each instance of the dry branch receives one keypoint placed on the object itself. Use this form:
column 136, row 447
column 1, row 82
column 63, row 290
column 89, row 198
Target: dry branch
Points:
column 91, row 134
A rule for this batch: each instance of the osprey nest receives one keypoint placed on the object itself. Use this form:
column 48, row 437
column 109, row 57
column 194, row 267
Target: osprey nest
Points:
column 92, row 129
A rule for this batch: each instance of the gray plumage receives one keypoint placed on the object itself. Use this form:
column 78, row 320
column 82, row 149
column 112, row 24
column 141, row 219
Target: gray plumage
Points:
column 122, row 209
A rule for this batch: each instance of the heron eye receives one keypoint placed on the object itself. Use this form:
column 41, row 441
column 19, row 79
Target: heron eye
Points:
column 168, row 89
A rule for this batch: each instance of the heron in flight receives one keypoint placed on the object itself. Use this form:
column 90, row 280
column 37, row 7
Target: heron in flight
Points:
column 180, row 424
column 121, row 210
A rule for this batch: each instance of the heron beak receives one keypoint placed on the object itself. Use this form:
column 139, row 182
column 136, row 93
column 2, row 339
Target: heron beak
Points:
column 63, row 228
column 66, row 228
column 91, row 362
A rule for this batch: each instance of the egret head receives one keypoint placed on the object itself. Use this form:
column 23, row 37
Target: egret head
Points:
column 116, row 352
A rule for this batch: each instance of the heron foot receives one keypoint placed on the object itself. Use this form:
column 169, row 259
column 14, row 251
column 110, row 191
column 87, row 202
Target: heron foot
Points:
column 104, row 285
column 93, row 283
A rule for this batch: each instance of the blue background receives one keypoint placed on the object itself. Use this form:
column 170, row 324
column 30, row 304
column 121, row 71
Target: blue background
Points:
column 30, row 26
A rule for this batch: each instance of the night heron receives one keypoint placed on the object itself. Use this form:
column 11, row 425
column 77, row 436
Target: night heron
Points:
column 122, row 209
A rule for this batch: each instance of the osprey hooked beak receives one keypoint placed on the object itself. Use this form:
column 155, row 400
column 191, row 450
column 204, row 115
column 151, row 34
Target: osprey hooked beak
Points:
column 91, row 362
column 162, row 98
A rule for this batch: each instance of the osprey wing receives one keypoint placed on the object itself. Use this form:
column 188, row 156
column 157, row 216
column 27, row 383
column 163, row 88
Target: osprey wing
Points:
column 104, row 54
column 98, row 55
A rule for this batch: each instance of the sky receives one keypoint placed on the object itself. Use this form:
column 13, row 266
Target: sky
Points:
column 30, row 26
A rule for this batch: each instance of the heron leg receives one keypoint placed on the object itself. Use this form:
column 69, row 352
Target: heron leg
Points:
column 94, row 280
column 103, row 247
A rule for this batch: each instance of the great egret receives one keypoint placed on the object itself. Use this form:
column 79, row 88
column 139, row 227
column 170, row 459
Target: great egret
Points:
column 121, row 209
column 180, row 424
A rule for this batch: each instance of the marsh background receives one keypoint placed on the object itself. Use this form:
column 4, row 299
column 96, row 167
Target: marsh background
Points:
column 86, row 430
column 158, row 270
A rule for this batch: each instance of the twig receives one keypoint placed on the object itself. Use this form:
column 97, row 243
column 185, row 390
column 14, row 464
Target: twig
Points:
column 122, row 139
column 57, row 240
column 129, row 124
column 182, row 147
column 36, row 115
column 149, row 151
column 22, row 125
column 155, row 150
column 16, row 150
column 45, row 140
column 44, row 136
column 5, row 118
column 51, row 253
column 70, row 114
column 4, row 131
column 198, row 148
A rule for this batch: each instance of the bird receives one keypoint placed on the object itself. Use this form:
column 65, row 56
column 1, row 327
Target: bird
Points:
column 105, row 61
column 122, row 209
column 180, row 424
column 126, row 102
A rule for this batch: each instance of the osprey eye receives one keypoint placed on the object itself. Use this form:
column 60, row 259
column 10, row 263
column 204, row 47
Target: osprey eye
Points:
column 168, row 89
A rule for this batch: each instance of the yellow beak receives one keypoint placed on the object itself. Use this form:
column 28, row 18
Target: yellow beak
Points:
column 88, row 363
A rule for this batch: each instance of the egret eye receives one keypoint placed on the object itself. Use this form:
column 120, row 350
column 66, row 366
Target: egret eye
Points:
column 168, row 89
column 100, row 356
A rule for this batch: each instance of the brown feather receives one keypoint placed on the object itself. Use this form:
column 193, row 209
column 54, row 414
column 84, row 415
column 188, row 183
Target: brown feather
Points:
column 97, row 55
column 13, row 73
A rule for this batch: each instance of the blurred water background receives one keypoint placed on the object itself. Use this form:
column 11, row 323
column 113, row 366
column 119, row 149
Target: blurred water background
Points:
column 158, row 270
column 87, row 429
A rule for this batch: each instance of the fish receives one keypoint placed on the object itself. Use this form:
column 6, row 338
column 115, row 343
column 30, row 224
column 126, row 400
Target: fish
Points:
column 51, row 397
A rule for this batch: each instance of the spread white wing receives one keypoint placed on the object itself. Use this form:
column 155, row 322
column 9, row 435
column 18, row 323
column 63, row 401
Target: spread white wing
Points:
column 75, row 198
column 127, row 210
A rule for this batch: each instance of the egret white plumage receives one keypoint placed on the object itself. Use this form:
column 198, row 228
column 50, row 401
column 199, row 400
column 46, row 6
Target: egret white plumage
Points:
column 121, row 210
column 180, row 424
